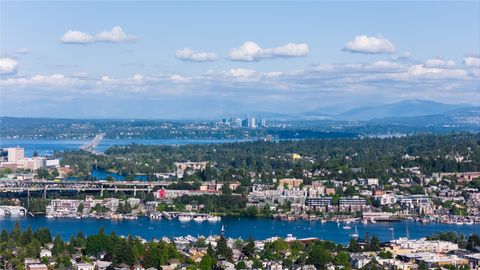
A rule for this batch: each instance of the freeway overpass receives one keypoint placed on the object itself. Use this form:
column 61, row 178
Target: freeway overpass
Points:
column 18, row 186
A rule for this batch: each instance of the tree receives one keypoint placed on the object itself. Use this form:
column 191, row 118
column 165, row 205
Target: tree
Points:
column 353, row 246
column 207, row 262
column 33, row 249
column 80, row 208
column 58, row 246
column 4, row 236
column 16, row 232
column 43, row 173
column 241, row 265
column 342, row 258
column 226, row 190
column 319, row 256
column 385, row 255
column 223, row 251
column 374, row 243
column 27, row 236
column 423, row 266
column 249, row 248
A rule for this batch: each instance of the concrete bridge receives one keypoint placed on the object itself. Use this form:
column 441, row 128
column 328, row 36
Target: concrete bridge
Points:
column 17, row 186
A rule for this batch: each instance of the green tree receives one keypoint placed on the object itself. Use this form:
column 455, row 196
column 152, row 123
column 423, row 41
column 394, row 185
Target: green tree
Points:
column 375, row 243
column 241, row 265
column 342, row 258
column 353, row 246
column 249, row 248
column 319, row 256
column 223, row 251
column 206, row 263
column 58, row 246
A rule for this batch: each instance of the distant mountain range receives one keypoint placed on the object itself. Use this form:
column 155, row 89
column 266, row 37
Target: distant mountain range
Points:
column 407, row 108
column 402, row 109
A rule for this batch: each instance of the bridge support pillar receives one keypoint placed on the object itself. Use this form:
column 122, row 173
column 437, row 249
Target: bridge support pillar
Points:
column 44, row 193
column 134, row 190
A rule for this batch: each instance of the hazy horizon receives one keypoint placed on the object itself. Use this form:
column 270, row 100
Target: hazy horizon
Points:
column 204, row 60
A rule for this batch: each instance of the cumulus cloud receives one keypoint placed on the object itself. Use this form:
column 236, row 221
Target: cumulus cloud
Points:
column 138, row 77
column 116, row 35
column 439, row 62
column 251, row 51
column 355, row 81
column 472, row 61
column 187, row 54
column 369, row 45
column 436, row 73
column 76, row 37
column 8, row 65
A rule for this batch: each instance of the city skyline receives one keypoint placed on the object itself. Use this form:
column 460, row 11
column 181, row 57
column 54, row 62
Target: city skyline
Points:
column 204, row 60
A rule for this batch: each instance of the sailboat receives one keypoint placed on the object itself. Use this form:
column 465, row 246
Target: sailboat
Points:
column 355, row 234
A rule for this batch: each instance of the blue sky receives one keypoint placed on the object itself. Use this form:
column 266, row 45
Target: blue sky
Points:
column 210, row 59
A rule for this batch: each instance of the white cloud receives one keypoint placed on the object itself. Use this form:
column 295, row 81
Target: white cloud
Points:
column 241, row 73
column 251, row 51
column 8, row 66
column 76, row 37
column 179, row 78
column 436, row 73
column 138, row 77
column 439, row 62
column 371, row 45
column 187, row 54
column 115, row 35
column 385, row 64
column 472, row 61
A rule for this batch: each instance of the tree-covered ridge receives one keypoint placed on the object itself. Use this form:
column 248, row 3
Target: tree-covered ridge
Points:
column 17, row 245
column 334, row 157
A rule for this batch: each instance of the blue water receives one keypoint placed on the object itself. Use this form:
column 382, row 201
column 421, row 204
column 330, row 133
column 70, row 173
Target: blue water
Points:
column 101, row 175
column 259, row 228
column 48, row 147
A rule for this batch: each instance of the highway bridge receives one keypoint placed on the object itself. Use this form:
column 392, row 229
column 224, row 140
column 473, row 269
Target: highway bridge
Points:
column 19, row 186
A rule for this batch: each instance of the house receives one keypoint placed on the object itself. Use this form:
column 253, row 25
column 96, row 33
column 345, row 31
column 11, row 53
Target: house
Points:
column 102, row 265
column 122, row 267
column 359, row 260
column 45, row 253
column 138, row 267
column 84, row 266
column 37, row 266
column 28, row 261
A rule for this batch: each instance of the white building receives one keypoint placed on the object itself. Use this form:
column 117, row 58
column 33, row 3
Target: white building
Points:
column 15, row 154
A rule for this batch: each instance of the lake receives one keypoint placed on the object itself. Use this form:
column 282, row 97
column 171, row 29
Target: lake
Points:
column 259, row 228
column 48, row 147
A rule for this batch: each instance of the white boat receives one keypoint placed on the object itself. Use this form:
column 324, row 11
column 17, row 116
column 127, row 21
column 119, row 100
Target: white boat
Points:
column 199, row 219
column 469, row 222
column 214, row 218
column 459, row 223
column 355, row 234
column 323, row 221
column 372, row 220
column 365, row 221
column 184, row 218
column 347, row 227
